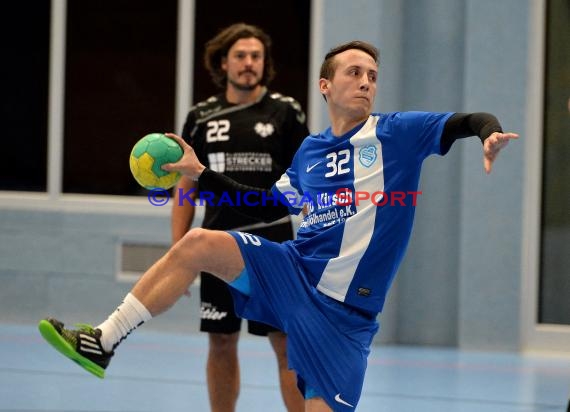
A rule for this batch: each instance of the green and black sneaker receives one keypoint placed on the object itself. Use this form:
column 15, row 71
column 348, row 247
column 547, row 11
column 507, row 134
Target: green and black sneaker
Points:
column 83, row 346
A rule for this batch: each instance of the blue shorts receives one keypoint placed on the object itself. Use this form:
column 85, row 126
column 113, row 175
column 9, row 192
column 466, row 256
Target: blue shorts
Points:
column 327, row 342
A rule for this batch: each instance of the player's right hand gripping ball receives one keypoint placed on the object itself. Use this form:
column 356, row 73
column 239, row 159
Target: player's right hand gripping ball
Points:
column 147, row 157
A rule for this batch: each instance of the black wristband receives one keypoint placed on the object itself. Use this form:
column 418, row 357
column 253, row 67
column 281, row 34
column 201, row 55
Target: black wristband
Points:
column 220, row 184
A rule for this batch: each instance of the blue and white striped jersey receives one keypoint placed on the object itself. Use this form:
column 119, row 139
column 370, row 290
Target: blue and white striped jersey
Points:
column 360, row 189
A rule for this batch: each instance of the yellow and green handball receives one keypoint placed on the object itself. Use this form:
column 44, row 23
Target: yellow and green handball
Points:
column 148, row 156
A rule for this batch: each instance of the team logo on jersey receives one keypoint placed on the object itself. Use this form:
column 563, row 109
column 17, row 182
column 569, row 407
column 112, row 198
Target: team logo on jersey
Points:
column 367, row 155
column 264, row 130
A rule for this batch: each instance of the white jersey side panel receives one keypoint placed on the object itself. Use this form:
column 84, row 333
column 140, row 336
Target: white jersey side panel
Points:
column 358, row 230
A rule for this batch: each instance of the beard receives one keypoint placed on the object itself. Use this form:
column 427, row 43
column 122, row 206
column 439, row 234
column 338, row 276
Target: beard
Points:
column 242, row 86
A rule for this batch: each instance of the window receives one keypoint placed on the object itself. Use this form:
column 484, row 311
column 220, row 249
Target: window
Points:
column 120, row 82
column 25, row 39
column 554, row 305
column 120, row 85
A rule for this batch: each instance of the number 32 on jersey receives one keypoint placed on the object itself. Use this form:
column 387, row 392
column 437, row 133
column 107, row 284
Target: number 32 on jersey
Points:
column 337, row 164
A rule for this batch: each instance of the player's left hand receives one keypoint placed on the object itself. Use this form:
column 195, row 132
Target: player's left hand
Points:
column 493, row 145
column 188, row 165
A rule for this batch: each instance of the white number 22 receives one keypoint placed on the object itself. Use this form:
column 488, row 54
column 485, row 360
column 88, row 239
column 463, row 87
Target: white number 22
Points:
column 217, row 131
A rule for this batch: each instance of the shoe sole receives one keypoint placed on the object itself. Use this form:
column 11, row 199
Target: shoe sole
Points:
column 51, row 335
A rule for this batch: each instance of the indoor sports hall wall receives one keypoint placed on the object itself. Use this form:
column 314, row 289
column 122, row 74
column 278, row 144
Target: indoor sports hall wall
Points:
column 461, row 283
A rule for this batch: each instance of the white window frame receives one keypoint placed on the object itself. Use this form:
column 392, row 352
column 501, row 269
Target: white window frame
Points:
column 536, row 336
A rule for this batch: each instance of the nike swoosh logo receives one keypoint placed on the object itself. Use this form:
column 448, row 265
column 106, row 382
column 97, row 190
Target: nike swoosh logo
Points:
column 309, row 168
column 341, row 401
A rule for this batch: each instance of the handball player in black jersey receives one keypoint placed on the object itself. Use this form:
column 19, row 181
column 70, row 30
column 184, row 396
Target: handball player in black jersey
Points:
column 250, row 134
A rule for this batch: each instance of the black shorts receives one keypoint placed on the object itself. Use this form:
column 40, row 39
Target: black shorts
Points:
column 217, row 313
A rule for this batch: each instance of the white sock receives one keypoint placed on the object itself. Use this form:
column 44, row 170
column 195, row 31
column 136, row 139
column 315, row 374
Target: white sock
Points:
column 128, row 316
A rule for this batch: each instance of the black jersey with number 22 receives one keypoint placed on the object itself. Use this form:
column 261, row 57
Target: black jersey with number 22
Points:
column 251, row 143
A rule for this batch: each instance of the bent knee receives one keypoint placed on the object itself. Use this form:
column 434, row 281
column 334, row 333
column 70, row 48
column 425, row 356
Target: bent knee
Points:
column 195, row 237
column 195, row 240
column 201, row 247
column 196, row 234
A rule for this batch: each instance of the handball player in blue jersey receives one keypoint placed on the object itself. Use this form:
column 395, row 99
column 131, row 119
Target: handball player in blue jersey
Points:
column 359, row 181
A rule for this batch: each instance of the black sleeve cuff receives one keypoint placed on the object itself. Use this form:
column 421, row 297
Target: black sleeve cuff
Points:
column 266, row 207
column 461, row 125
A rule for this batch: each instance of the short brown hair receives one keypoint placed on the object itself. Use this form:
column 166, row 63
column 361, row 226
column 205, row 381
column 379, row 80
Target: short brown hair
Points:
column 328, row 67
column 217, row 48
